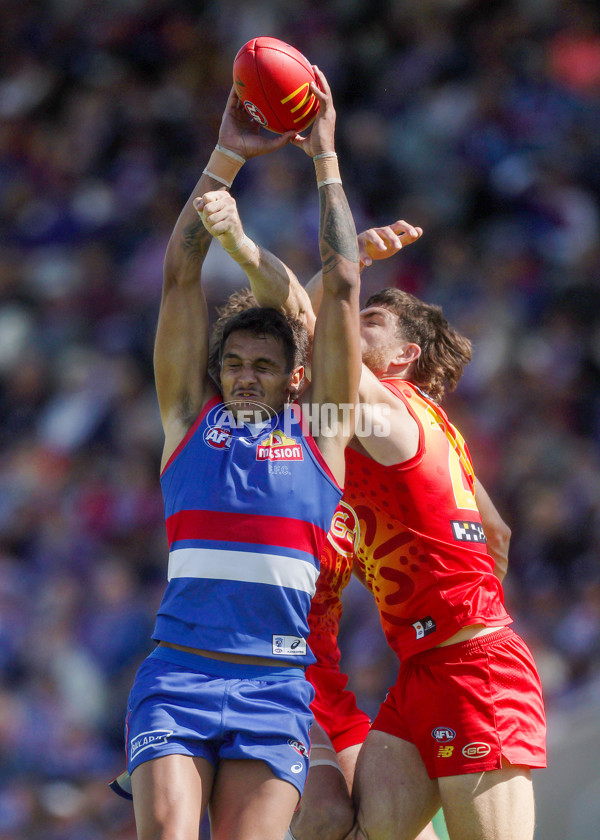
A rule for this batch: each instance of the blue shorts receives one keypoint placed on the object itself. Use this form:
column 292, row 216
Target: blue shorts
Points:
column 185, row 704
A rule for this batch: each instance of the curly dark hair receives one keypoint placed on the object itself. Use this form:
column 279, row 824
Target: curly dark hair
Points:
column 241, row 312
column 444, row 351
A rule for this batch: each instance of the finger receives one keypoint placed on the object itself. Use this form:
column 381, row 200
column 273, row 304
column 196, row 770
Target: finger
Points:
column 220, row 226
column 232, row 99
column 211, row 195
column 322, row 81
column 281, row 140
column 389, row 239
column 377, row 241
column 299, row 141
column 316, row 90
column 401, row 226
column 198, row 205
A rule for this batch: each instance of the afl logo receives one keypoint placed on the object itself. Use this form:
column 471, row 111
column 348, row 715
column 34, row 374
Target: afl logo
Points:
column 218, row 438
column 476, row 750
column 254, row 112
column 344, row 532
column 443, row 734
column 298, row 747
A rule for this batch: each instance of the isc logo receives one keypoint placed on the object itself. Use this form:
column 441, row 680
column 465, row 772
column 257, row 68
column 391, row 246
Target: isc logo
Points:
column 476, row 750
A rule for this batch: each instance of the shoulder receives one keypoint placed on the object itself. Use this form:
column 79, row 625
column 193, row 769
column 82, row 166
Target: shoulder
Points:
column 181, row 424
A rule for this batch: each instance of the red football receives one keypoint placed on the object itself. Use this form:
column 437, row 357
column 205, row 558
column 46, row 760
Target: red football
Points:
column 272, row 80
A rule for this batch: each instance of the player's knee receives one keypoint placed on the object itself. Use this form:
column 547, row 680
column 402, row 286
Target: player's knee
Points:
column 372, row 825
column 358, row 832
column 333, row 821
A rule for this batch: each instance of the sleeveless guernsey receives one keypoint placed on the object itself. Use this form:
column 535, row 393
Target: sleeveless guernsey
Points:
column 421, row 541
column 247, row 512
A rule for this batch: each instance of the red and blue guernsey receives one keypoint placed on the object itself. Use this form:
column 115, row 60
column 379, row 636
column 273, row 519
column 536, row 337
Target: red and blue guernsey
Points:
column 247, row 510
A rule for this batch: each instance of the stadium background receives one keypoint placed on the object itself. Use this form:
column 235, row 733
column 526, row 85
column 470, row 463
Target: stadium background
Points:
column 478, row 121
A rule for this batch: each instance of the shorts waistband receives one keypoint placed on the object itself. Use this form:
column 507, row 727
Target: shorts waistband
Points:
column 228, row 670
column 451, row 653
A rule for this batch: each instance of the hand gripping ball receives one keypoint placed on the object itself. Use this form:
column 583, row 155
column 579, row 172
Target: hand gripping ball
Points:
column 272, row 80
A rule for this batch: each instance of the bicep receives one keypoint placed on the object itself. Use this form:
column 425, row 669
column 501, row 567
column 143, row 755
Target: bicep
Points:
column 181, row 350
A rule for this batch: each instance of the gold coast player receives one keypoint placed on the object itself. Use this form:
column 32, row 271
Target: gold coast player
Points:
column 464, row 723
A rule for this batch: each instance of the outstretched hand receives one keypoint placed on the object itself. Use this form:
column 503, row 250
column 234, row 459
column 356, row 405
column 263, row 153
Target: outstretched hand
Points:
column 382, row 242
column 241, row 134
column 322, row 134
column 219, row 213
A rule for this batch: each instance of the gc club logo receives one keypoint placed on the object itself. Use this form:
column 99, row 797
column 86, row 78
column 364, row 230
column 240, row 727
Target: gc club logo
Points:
column 477, row 749
column 227, row 421
column 443, row 734
column 344, row 531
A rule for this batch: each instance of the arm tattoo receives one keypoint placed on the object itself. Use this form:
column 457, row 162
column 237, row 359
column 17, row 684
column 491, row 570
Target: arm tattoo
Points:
column 337, row 233
column 196, row 240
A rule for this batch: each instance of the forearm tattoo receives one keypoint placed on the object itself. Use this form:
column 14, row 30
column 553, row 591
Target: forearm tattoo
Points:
column 337, row 233
column 195, row 240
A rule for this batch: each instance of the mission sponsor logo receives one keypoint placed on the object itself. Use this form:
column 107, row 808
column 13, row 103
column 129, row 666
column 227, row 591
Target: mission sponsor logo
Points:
column 468, row 531
column 443, row 734
column 279, row 447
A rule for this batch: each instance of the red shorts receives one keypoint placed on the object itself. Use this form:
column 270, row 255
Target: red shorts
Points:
column 335, row 709
column 469, row 705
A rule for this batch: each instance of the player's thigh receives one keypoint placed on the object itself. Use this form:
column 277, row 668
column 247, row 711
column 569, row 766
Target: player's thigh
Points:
column 325, row 811
column 170, row 795
column 347, row 759
column 394, row 797
column 494, row 805
column 249, row 802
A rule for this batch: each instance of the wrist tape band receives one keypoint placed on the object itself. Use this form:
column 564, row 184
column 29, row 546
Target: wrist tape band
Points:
column 327, row 169
column 243, row 250
column 223, row 165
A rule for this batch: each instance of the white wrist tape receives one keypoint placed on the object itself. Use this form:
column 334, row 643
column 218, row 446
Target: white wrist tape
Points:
column 223, row 165
column 244, row 250
column 327, row 169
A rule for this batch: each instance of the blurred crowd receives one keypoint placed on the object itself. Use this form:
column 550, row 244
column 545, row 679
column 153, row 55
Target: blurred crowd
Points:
column 478, row 121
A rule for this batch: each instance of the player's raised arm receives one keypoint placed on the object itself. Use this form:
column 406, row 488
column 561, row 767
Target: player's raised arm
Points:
column 273, row 284
column 181, row 346
column 376, row 243
column 336, row 359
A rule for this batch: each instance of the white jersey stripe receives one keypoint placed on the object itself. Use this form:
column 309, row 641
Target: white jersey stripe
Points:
column 250, row 567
